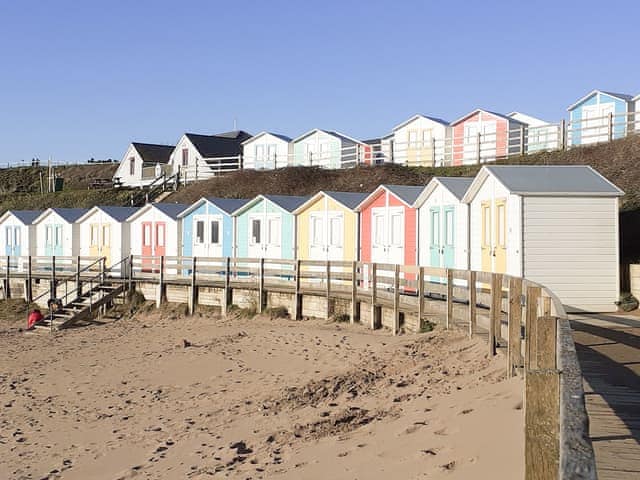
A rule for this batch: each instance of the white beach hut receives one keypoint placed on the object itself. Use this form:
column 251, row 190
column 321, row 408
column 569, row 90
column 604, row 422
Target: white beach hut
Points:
column 555, row 225
column 18, row 232
column 57, row 232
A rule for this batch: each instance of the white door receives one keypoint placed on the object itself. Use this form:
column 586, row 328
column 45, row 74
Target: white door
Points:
column 199, row 236
column 317, row 236
column 395, row 249
column 256, row 236
column 273, row 245
column 379, row 235
column 335, row 236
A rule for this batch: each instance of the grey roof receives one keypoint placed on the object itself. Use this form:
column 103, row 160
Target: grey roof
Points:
column 152, row 153
column 70, row 214
column 418, row 115
column 407, row 193
column 348, row 199
column 221, row 145
column 228, row 205
column 26, row 216
column 171, row 209
column 456, row 185
column 287, row 202
column 500, row 115
column 623, row 96
column 118, row 213
column 557, row 179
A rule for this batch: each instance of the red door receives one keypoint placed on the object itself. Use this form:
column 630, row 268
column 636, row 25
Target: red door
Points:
column 159, row 245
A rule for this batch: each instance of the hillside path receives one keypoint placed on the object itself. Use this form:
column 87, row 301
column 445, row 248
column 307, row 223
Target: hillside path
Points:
column 608, row 348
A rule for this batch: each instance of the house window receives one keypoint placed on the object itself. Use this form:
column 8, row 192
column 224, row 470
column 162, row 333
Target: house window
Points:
column 255, row 231
column 199, row 232
column 132, row 165
column 215, row 232
column 185, row 157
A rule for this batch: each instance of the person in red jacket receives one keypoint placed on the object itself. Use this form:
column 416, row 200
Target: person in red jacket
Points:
column 34, row 317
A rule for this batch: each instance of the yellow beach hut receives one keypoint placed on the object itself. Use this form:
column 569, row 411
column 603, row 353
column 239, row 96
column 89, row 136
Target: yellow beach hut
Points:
column 327, row 227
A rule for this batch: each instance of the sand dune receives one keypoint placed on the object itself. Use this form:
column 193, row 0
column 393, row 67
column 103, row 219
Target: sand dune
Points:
column 161, row 395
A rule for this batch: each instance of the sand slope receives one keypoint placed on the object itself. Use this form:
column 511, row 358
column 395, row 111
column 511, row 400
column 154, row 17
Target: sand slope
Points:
column 254, row 398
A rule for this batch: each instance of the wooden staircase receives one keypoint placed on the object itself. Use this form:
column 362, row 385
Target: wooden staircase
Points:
column 83, row 308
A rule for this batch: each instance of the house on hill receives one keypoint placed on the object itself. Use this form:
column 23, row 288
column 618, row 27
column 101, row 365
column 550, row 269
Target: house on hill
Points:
column 329, row 149
column 537, row 135
column 482, row 136
column 142, row 164
column 266, row 151
column 420, row 141
column 198, row 157
column 600, row 116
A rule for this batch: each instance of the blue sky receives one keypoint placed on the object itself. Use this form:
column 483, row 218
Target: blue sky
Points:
column 84, row 79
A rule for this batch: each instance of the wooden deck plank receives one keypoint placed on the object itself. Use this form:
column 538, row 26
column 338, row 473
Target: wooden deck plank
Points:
column 608, row 348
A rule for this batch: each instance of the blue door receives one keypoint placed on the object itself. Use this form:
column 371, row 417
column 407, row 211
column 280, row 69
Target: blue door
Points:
column 12, row 240
column 53, row 240
column 434, row 237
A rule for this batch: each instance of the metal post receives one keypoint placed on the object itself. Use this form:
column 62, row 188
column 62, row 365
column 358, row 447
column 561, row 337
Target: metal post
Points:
column 53, row 288
column 78, row 287
column 29, row 286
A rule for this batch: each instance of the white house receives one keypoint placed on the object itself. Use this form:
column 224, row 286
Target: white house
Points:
column 198, row 157
column 443, row 223
column 105, row 233
column 555, row 225
column 142, row 164
column 537, row 135
column 155, row 230
column 57, row 232
column 420, row 141
column 18, row 237
column 267, row 151
column 329, row 149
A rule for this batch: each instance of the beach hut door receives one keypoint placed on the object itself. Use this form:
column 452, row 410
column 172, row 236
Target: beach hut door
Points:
column 395, row 249
column 317, row 237
column 256, row 237
column 335, row 237
column 500, row 238
column 434, row 244
column 273, row 247
column 378, row 235
column 486, row 246
column 448, row 236
column 53, row 240
column 12, row 241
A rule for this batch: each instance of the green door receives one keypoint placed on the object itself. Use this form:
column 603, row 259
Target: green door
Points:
column 434, row 237
column 448, row 236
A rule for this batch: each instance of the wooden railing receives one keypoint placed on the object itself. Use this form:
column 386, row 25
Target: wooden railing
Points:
column 522, row 319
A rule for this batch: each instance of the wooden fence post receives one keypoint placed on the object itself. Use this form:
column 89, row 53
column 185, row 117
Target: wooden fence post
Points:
column 297, row 314
column 354, row 291
column 160, row 290
column 449, row 317
column 396, row 299
column 533, row 296
column 479, row 148
column 227, row 294
column 514, row 355
column 563, row 135
column 328, row 290
column 7, row 279
column 194, row 290
column 610, row 127
column 473, row 301
column 374, row 281
column 53, row 289
column 420, row 296
column 433, row 151
column 261, row 286
column 495, row 312
column 130, row 275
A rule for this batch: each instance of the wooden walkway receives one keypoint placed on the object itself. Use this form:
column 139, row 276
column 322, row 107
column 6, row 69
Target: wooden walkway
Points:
column 608, row 348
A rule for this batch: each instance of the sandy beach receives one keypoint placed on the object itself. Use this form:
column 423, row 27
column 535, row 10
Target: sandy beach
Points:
column 163, row 395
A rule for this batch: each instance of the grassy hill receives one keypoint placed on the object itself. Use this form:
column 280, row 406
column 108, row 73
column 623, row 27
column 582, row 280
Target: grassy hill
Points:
column 618, row 161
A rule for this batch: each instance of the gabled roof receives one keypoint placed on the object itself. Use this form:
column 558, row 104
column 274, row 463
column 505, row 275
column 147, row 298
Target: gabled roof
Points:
column 333, row 133
column 457, row 186
column 407, row 194
column 417, row 116
column 152, row 153
column 26, row 217
column 621, row 96
column 348, row 200
column 119, row 214
column 221, row 145
column 477, row 110
column 527, row 119
column 286, row 202
column 69, row 215
column 541, row 180
column 262, row 134
column 171, row 210
column 637, row 97
column 227, row 205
